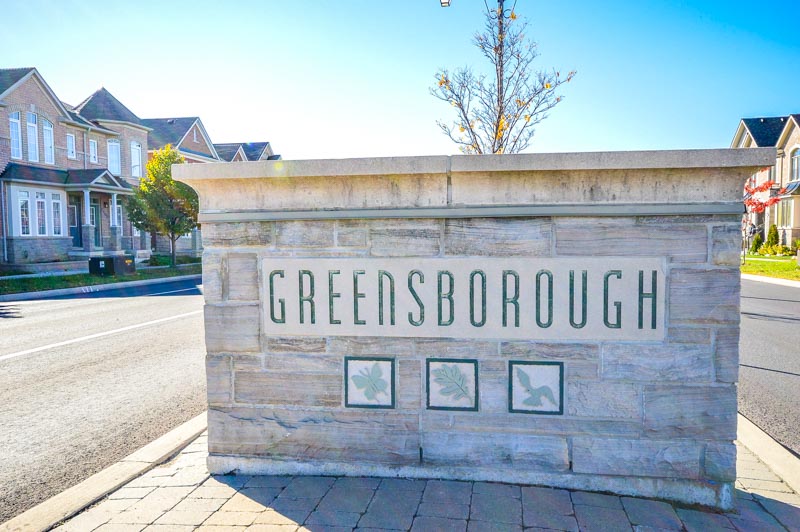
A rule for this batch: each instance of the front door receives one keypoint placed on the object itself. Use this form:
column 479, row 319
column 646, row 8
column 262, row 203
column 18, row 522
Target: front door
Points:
column 74, row 213
column 95, row 221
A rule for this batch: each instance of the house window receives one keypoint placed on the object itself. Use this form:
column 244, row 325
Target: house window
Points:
column 71, row 146
column 93, row 151
column 794, row 173
column 49, row 149
column 194, row 133
column 136, row 159
column 785, row 213
column 113, row 157
column 24, row 214
column 119, row 219
column 135, row 231
column 56, row 208
column 33, row 138
column 41, row 214
column 16, row 136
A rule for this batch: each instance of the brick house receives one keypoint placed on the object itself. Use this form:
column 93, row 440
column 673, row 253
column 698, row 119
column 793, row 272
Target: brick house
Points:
column 60, row 176
column 783, row 133
column 64, row 170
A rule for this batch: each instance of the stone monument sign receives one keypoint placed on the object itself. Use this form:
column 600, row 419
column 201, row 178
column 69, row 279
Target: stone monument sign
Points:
column 567, row 320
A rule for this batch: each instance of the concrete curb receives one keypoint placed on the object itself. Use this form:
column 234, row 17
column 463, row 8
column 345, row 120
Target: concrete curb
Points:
column 24, row 296
column 73, row 500
column 771, row 280
column 782, row 462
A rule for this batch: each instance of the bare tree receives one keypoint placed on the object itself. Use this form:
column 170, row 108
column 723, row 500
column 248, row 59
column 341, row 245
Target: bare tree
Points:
column 497, row 114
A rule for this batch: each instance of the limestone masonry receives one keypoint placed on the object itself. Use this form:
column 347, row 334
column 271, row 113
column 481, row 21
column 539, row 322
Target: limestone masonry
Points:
column 567, row 320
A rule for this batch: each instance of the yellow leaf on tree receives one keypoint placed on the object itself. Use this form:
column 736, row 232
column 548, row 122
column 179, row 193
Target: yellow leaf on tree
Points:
column 547, row 86
column 513, row 16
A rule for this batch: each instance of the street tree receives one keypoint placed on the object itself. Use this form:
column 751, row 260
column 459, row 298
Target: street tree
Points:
column 753, row 204
column 498, row 112
column 160, row 204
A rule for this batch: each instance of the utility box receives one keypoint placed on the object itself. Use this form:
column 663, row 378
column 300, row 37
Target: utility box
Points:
column 116, row 265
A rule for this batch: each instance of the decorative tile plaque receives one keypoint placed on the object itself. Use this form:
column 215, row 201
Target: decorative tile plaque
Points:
column 536, row 387
column 369, row 382
column 452, row 384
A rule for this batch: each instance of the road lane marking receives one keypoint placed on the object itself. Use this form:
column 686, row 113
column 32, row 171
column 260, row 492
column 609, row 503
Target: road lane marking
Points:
column 173, row 291
column 97, row 335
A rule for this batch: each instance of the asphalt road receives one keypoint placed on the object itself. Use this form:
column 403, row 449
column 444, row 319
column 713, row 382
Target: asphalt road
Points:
column 86, row 380
column 769, row 370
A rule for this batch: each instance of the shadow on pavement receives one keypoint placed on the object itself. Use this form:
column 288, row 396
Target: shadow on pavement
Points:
column 9, row 311
column 177, row 288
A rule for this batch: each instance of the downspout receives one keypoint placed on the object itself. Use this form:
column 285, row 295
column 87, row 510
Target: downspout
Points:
column 5, row 221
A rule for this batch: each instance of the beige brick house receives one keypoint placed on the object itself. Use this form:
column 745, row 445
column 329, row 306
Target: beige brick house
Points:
column 61, row 179
column 783, row 133
column 64, row 170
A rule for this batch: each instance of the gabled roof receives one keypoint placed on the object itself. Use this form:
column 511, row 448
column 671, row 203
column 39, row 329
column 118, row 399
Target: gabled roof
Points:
column 765, row 131
column 228, row 151
column 102, row 105
column 254, row 150
column 167, row 130
column 53, row 176
column 11, row 76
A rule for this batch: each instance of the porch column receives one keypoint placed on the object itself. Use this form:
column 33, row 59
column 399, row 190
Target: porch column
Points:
column 114, row 221
column 87, row 230
column 87, row 216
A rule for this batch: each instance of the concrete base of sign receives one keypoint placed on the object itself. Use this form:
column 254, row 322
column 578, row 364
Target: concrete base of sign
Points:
column 567, row 320
column 718, row 495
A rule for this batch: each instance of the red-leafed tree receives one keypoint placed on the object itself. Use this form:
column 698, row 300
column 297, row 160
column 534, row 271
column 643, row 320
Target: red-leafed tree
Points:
column 756, row 205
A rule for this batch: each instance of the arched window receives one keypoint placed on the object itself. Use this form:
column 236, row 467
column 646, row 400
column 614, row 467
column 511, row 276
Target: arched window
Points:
column 136, row 159
column 47, row 135
column 113, row 157
column 33, row 138
column 16, row 136
column 794, row 172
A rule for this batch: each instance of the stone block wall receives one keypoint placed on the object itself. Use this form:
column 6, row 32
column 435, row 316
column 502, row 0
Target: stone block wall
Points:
column 648, row 418
column 22, row 250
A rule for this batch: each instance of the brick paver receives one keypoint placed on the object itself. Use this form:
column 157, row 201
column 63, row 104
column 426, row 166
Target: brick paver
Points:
column 182, row 496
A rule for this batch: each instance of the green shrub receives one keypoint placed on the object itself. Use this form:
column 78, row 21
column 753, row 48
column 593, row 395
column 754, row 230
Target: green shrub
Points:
column 758, row 241
column 772, row 236
column 795, row 246
column 776, row 250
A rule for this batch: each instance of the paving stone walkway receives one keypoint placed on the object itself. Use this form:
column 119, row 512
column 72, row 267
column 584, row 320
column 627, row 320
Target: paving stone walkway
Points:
column 181, row 495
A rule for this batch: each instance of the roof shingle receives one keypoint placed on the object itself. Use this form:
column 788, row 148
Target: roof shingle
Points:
column 55, row 176
column 228, row 151
column 765, row 131
column 167, row 130
column 9, row 76
column 102, row 105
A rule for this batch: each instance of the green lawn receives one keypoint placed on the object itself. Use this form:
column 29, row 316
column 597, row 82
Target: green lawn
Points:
column 35, row 284
column 768, row 257
column 784, row 269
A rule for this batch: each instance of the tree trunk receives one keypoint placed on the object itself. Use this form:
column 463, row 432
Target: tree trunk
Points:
column 172, row 239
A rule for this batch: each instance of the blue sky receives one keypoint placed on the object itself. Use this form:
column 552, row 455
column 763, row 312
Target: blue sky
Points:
column 350, row 78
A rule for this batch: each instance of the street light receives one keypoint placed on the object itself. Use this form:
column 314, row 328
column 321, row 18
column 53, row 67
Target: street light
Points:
column 445, row 3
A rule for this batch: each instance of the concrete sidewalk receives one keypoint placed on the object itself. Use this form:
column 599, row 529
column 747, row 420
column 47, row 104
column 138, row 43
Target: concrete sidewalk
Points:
column 181, row 495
